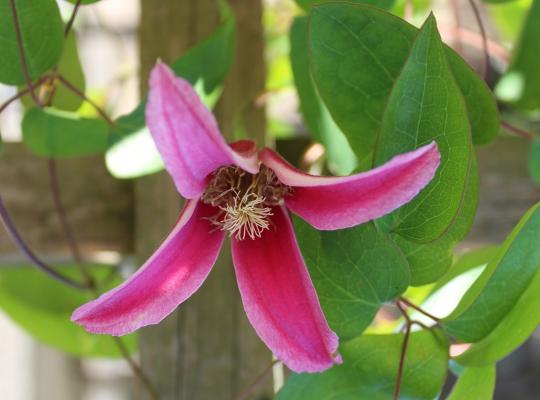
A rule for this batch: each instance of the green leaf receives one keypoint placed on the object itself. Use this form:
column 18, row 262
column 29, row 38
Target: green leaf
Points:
column 132, row 152
column 429, row 261
column 426, row 105
column 69, row 67
column 42, row 34
column 369, row 370
column 338, row 383
column 354, row 271
column 341, row 159
column 503, row 305
column 84, row 1
column 475, row 383
column 534, row 161
column 520, row 86
column 386, row 4
column 52, row 133
column 43, row 306
column 357, row 54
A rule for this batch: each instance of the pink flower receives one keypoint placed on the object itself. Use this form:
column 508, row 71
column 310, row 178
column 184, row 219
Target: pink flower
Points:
column 247, row 194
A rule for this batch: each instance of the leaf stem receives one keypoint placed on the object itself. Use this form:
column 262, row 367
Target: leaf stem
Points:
column 69, row 24
column 402, row 356
column 518, row 131
column 23, row 247
column 136, row 369
column 486, row 63
column 417, row 308
column 66, row 228
column 258, row 379
column 79, row 93
column 22, row 57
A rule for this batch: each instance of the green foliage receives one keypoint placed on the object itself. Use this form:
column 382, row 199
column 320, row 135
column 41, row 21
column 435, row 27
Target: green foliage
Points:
column 354, row 271
column 369, row 370
column 520, row 85
column 474, row 383
column 132, row 152
column 42, row 33
column 341, row 159
column 52, row 133
column 42, row 307
column 83, row 1
column 502, row 307
column 534, row 161
column 357, row 54
column 307, row 4
column 426, row 105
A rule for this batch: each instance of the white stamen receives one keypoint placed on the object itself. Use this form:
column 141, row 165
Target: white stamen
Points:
column 247, row 216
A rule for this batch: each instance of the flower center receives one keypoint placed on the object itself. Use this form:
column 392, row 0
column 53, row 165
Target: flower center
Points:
column 244, row 201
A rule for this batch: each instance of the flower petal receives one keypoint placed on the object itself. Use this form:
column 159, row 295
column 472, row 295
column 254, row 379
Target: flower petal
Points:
column 280, row 300
column 186, row 133
column 175, row 271
column 330, row 203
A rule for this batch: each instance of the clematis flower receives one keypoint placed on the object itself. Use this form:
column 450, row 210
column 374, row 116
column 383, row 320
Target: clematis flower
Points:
column 235, row 190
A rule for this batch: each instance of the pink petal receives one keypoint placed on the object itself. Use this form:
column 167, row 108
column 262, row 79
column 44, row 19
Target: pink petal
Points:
column 330, row 203
column 280, row 300
column 175, row 271
column 186, row 133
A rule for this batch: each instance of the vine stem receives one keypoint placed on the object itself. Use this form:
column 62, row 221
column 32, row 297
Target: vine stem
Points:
column 136, row 369
column 69, row 24
column 23, row 247
column 417, row 308
column 403, row 353
column 22, row 57
column 256, row 381
column 518, row 131
column 79, row 93
column 402, row 361
column 486, row 63
column 66, row 228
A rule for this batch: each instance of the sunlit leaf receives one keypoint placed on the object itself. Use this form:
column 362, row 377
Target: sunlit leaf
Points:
column 502, row 307
column 474, row 383
column 131, row 150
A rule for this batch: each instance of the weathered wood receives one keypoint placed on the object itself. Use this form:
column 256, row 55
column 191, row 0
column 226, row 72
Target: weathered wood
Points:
column 98, row 206
column 207, row 349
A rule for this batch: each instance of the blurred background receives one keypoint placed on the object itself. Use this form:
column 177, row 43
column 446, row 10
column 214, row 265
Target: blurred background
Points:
column 116, row 221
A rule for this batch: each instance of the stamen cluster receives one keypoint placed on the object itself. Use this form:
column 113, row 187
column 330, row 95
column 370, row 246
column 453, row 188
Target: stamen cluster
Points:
column 244, row 200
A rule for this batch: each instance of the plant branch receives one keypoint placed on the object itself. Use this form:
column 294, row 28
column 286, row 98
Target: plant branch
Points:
column 76, row 91
column 258, row 379
column 401, row 366
column 66, row 228
column 22, row 56
column 23, row 247
column 417, row 308
column 69, row 24
column 136, row 369
column 486, row 64
column 518, row 131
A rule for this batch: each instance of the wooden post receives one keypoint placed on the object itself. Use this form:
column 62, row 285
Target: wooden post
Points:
column 206, row 349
